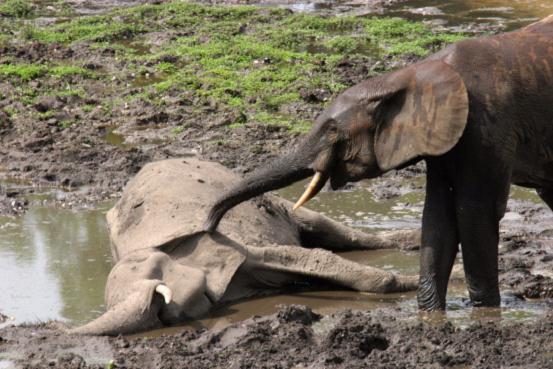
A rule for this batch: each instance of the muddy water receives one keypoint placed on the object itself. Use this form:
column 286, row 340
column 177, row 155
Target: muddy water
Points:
column 360, row 207
column 54, row 264
column 470, row 14
column 55, row 261
column 500, row 14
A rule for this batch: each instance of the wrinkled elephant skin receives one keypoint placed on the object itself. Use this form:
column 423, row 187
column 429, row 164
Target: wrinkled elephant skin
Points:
column 168, row 270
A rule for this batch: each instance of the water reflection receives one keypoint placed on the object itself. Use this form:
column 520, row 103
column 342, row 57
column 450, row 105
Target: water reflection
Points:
column 360, row 207
column 503, row 14
column 496, row 14
column 54, row 264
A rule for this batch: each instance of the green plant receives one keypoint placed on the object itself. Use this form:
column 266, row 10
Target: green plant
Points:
column 178, row 129
column 16, row 8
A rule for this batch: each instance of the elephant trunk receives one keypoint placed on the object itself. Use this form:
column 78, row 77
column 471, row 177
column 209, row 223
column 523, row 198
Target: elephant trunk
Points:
column 277, row 174
column 111, row 323
column 138, row 312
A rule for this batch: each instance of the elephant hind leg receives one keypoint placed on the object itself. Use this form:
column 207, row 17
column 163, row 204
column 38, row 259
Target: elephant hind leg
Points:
column 480, row 205
column 546, row 194
column 329, row 267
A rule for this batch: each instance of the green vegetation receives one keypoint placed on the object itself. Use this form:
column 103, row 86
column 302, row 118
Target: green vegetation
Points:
column 64, row 124
column 16, row 8
column 178, row 129
column 27, row 72
column 254, row 61
column 99, row 28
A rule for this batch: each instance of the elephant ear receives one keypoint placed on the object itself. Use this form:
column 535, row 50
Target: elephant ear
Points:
column 425, row 115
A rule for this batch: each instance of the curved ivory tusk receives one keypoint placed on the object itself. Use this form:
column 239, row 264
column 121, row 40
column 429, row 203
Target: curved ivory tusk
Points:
column 312, row 189
column 165, row 292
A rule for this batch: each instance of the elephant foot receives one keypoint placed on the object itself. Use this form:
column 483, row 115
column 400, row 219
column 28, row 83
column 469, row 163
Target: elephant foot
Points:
column 427, row 296
column 407, row 239
column 387, row 283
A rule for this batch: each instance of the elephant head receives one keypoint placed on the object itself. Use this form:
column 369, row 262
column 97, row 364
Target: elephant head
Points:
column 148, row 289
column 380, row 124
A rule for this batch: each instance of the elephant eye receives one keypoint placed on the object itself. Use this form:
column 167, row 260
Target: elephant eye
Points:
column 332, row 132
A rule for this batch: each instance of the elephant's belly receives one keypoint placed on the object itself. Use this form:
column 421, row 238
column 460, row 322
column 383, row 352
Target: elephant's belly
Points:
column 533, row 166
column 533, row 176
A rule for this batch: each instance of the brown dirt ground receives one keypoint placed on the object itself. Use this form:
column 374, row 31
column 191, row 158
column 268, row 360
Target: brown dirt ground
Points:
column 295, row 337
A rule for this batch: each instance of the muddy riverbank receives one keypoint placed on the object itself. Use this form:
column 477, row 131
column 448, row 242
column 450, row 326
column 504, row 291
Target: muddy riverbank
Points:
column 295, row 337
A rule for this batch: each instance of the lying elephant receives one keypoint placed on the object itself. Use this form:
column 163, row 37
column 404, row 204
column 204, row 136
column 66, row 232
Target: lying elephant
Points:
column 479, row 112
column 168, row 270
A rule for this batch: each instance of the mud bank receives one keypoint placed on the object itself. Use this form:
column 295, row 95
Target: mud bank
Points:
column 295, row 337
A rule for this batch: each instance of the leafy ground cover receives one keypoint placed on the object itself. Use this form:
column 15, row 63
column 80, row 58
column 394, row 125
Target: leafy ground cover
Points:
column 259, row 63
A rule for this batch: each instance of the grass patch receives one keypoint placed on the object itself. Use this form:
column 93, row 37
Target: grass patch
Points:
column 28, row 72
column 16, row 8
column 178, row 129
column 95, row 28
column 253, row 60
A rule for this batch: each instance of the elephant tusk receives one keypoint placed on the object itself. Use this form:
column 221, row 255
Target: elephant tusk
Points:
column 165, row 292
column 313, row 188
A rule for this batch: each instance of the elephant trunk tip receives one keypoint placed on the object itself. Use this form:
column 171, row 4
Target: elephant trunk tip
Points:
column 215, row 215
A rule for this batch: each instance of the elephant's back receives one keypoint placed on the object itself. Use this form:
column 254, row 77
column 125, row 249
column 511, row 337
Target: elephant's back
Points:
column 170, row 199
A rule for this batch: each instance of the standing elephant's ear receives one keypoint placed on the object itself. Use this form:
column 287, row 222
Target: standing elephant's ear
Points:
column 425, row 116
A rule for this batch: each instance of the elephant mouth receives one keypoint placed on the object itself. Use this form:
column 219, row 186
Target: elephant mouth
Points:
column 316, row 184
column 337, row 182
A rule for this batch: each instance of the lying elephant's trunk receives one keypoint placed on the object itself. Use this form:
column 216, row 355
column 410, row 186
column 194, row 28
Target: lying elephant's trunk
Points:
column 118, row 320
column 277, row 174
column 138, row 312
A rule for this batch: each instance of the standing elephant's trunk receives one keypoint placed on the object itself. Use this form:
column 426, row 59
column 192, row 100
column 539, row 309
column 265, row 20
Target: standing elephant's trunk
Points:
column 281, row 172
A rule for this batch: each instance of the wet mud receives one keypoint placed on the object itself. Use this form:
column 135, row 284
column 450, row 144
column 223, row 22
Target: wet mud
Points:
column 295, row 337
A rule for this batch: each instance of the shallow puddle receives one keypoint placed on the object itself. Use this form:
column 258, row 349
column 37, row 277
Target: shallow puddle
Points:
column 115, row 139
column 497, row 14
column 508, row 15
column 360, row 207
column 6, row 364
column 148, row 79
column 54, row 264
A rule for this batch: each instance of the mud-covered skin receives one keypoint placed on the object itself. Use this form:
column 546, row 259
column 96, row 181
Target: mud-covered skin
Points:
column 478, row 112
column 296, row 338
column 167, row 270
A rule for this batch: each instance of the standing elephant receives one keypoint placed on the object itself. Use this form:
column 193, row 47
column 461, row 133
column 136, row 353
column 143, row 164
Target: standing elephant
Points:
column 167, row 269
column 479, row 113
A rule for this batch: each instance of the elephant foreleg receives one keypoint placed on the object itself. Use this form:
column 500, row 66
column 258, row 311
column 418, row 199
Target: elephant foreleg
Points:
column 324, row 265
column 440, row 240
column 321, row 231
